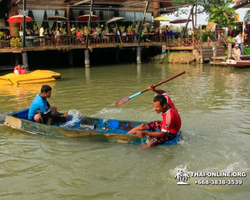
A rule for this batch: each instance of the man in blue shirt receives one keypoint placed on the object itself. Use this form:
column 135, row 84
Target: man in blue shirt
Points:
column 40, row 110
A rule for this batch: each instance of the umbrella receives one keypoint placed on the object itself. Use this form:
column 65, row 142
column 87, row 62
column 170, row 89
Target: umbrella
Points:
column 114, row 19
column 85, row 18
column 19, row 19
column 179, row 21
column 161, row 18
column 57, row 18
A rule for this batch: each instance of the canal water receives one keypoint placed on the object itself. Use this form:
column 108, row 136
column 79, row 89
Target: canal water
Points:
column 214, row 104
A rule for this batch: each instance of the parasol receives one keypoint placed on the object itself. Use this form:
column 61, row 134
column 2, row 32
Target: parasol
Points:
column 85, row 18
column 161, row 18
column 114, row 19
column 19, row 19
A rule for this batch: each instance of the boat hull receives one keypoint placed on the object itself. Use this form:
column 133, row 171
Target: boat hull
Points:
column 238, row 63
column 106, row 130
column 37, row 76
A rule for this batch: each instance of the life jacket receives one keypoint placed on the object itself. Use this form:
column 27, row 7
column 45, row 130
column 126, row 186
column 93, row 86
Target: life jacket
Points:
column 23, row 71
column 18, row 68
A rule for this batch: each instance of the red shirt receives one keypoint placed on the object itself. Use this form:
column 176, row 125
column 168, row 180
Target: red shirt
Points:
column 171, row 120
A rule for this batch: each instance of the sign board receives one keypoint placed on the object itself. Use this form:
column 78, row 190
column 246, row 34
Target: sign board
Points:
column 163, row 51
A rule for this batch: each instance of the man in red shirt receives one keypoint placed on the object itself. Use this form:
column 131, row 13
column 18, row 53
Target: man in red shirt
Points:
column 161, row 130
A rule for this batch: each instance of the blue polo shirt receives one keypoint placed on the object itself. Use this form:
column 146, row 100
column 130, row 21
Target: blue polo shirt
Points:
column 38, row 103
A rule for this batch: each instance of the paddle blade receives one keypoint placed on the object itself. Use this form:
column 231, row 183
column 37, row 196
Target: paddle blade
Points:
column 122, row 101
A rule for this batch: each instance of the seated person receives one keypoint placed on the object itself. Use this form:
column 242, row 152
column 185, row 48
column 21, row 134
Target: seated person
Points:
column 79, row 36
column 17, row 69
column 236, row 52
column 103, row 36
column 40, row 110
column 23, row 70
column 164, row 130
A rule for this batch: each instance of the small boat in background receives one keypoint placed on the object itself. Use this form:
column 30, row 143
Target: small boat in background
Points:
column 37, row 76
column 84, row 128
column 237, row 63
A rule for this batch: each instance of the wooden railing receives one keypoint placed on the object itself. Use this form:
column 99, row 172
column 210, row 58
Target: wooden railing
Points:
column 111, row 39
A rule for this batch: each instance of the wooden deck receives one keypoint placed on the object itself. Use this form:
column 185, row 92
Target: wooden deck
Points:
column 95, row 46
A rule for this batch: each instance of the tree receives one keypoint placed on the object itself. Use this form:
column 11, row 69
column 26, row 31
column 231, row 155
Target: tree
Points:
column 247, row 17
column 219, row 11
column 222, row 14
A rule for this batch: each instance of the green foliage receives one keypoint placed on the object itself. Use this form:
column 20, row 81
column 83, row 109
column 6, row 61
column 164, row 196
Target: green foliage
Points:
column 2, row 35
column 107, row 28
column 247, row 17
column 222, row 14
column 227, row 52
column 16, row 31
column 63, row 30
column 35, row 28
column 137, row 27
column 165, row 58
column 130, row 28
column 122, row 28
column 246, row 51
column 15, row 42
column 205, row 35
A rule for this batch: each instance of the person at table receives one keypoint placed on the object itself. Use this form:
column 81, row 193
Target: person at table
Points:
column 52, row 36
column 40, row 110
column 164, row 130
column 103, row 35
column 41, row 34
column 79, row 36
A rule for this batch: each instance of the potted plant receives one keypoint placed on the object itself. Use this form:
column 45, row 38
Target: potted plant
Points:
column 137, row 26
column 15, row 42
column 122, row 28
column 16, row 31
column 35, row 28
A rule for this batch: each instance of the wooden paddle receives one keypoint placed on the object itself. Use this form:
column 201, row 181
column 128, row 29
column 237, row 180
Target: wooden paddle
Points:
column 126, row 98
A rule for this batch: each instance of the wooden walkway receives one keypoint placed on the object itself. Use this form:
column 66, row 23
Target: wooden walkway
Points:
column 95, row 46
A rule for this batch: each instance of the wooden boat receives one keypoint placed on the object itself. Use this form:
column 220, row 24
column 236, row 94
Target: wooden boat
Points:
column 85, row 128
column 37, row 76
column 237, row 63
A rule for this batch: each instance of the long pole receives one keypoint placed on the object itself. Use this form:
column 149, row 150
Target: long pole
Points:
column 89, row 22
column 143, row 20
column 24, row 21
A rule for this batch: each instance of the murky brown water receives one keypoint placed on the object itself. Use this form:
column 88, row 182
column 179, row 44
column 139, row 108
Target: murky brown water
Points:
column 214, row 104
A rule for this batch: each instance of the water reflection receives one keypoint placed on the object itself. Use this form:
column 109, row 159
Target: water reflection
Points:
column 87, row 75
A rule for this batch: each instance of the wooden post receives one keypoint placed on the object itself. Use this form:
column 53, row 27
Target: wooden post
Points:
column 191, row 12
column 140, row 32
column 24, row 22
column 138, row 57
column 86, row 52
column 25, row 59
column 230, row 50
column 156, row 14
column 71, row 58
column 86, row 58
column 68, row 25
column 117, row 55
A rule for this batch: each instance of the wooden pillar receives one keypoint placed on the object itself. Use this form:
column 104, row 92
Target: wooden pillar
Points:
column 71, row 58
column 156, row 14
column 68, row 25
column 117, row 55
column 12, row 11
column 86, row 58
column 17, row 59
column 138, row 56
column 230, row 50
column 25, row 59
